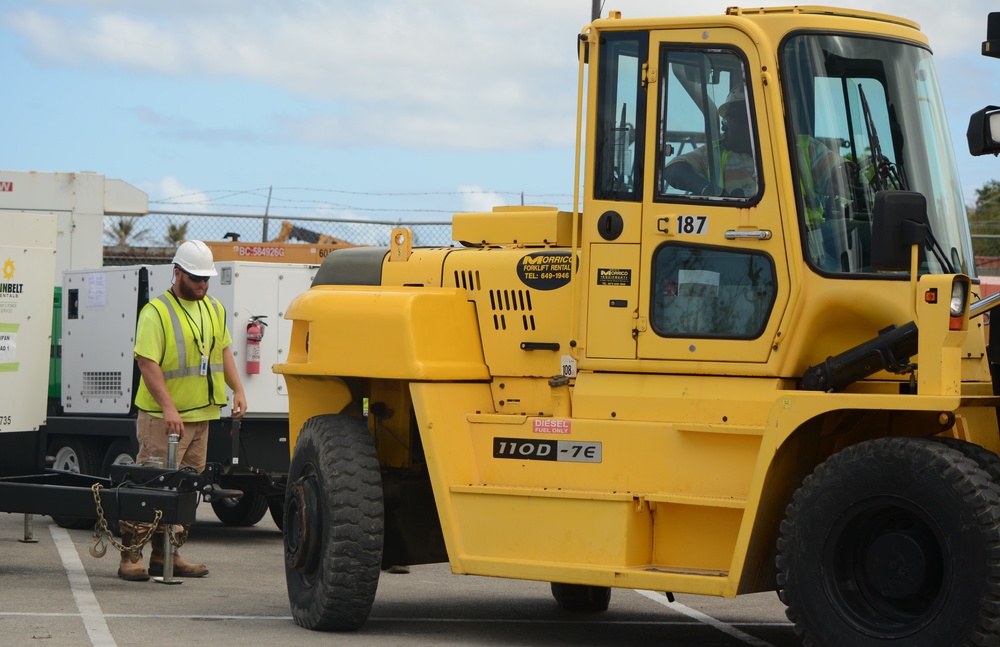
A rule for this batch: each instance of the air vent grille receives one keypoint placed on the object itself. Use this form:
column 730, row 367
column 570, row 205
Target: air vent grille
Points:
column 506, row 303
column 102, row 384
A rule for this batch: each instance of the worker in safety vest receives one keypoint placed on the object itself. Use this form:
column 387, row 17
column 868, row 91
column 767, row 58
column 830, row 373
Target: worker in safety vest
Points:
column 735, row 175
column 726, row 167
column 182, row 346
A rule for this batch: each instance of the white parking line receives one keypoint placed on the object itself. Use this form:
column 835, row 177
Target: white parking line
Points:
column 704, row 618
column 95, row 620
column 375, row 619
column 79, row 583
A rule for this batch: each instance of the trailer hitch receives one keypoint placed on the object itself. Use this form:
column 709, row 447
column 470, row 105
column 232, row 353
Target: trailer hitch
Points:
column 181, row 480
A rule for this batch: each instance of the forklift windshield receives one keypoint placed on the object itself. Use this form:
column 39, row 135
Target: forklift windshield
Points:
column 866, row 116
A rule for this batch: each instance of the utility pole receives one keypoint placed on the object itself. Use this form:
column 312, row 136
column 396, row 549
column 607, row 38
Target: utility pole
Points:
column 267, row 208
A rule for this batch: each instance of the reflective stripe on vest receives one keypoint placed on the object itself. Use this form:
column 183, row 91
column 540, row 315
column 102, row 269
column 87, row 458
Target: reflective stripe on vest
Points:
column 814, row 213
column 181, row 362
column 721, row 154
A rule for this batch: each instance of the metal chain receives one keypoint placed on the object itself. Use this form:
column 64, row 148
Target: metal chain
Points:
column 178, row 540
column 101, row 532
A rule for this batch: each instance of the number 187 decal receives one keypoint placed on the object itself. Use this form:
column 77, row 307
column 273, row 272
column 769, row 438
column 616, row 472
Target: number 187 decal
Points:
column 692, row 225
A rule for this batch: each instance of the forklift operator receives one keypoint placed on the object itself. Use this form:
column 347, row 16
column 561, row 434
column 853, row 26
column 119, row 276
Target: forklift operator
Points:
column 733, row 153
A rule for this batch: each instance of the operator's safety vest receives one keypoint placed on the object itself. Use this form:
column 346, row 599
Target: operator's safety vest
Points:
column 185, row 343
column 814, row 210
column 722, row 154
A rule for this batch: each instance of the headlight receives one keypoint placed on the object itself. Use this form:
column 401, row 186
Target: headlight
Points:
column 959, row 297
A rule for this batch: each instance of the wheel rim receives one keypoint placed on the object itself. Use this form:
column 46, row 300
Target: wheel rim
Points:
column 123, row 459
column 889, row 575
column 67, row 460
column 303, row 524
column 230, row 503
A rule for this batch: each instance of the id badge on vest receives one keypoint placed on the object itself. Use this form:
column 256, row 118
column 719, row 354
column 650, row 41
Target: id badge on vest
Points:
column 204, row 365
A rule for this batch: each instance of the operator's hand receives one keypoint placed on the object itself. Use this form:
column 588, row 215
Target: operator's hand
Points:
column 172, row 423
column 239, row 404
column 711, row 189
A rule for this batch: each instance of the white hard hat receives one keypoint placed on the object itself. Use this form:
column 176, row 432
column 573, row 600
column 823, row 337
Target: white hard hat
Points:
column 194, row 257
column 737, row 95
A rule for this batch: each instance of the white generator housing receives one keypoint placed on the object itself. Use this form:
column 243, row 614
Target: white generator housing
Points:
column 27, row 264
column 100, row 310
column 98, row 341
column 79, row 202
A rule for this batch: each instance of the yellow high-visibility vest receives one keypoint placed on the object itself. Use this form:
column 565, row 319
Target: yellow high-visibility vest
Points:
column 182, row 356
column 814, row 212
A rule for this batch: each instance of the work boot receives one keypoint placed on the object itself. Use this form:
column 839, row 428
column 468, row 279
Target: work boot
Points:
column 182, row 567
column 129, row 570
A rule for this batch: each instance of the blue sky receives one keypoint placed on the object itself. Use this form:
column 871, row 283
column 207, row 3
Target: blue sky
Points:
column 383, row 109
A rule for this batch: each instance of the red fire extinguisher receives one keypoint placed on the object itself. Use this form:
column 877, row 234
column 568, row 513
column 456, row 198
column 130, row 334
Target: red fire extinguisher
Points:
column 255, row 332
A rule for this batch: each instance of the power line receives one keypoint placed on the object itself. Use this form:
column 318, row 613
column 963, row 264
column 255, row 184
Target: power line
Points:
column 260, row 192
column 314, row 207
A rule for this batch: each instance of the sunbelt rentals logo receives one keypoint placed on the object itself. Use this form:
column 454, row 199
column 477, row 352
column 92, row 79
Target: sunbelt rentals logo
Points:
column 7, row 287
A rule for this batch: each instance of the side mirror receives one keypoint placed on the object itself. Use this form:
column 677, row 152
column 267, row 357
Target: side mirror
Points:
column 899, row 221
column 991, row 46
column 984, row 131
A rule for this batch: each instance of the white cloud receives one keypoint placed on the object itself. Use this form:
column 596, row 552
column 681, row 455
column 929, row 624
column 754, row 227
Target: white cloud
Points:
column 453, row 75
column 170, row 194
column 475, row 199
column 466, row 75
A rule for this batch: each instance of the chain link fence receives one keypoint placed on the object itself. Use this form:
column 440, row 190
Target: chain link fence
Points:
column 986, row 245
column 152, row 239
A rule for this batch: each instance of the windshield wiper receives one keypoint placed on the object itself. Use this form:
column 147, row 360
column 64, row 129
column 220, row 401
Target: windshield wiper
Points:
column 886, row 174
column 887, row 177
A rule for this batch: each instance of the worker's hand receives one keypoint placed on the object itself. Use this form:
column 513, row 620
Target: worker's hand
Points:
column 172, row 423
column 239, row 404
column 711, row 189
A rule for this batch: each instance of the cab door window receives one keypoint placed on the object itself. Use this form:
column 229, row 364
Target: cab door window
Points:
column 703, row 291
column 620, row 114
column 706, row 147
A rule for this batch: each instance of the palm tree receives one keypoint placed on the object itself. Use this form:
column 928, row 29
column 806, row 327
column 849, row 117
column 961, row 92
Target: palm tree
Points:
column 176, row 233
column 125, row 232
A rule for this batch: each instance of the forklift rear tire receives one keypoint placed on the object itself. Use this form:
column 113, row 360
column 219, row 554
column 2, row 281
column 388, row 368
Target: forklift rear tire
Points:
column 245, row 511
column 895, row 541
column 333, row 524
column 277, row 507
column 581, row 598
column 74, row 455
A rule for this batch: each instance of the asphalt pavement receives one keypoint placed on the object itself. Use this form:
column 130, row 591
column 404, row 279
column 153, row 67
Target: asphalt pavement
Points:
column 55, row 594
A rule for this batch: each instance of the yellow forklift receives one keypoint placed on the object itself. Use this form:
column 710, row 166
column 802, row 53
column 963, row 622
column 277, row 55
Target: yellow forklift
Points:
column 751, row 359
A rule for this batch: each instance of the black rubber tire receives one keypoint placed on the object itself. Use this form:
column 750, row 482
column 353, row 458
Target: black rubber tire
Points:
column 75, row 455
column 333, row 524
column 581, row 598
column 277, row 508
column 243, row 512
column 987, row 460
column 894, row 541
column 120, row 452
